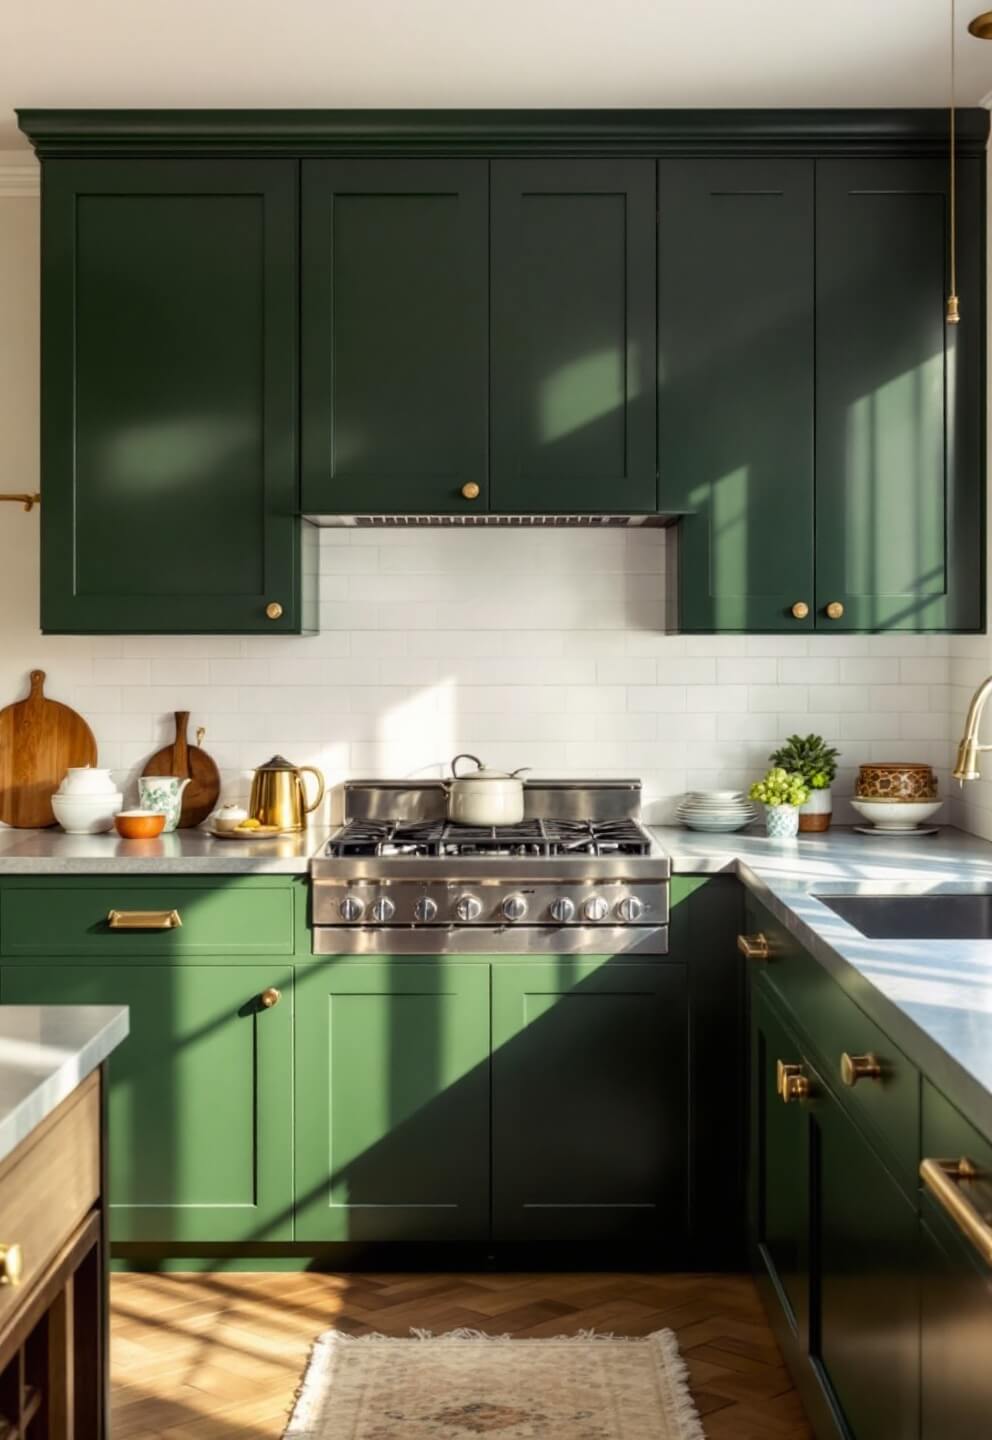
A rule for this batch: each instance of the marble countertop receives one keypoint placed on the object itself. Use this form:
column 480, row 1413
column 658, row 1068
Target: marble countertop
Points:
column 185, row 852
column 45, row 1052
column 932, row 997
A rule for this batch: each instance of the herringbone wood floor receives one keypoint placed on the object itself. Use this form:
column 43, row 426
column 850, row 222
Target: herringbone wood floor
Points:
column 218, row 1357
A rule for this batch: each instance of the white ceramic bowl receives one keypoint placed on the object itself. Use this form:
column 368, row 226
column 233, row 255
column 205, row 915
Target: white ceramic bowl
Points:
column 896, row 814
column 228, row 817
column 86, row 814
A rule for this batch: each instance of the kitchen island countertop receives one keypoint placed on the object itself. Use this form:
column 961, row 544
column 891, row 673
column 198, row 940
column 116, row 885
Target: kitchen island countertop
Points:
column 46, row 1051
column 933, row 998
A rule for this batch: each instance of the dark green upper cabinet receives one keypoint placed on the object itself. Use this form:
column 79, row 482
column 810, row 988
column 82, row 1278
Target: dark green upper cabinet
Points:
column 735, row 388
column 900, row 397
column 169, row 361
column 573, row 335
column 395, row 335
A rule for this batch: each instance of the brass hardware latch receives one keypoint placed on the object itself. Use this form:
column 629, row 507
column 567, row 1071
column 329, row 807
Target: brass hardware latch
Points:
column 11, row 1264
column 859, row 1067
column 754, row 947
column 144, row 919
column 790, row 1082
column 270, row 997
column 28, row 501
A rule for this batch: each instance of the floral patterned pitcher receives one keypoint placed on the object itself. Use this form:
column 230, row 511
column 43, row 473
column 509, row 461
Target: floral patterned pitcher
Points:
column 163, row 793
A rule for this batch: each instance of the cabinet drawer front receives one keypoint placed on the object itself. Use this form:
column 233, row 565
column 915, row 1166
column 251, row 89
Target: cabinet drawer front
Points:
column 889, row 1105
column 48, row 1185
column 62, row 919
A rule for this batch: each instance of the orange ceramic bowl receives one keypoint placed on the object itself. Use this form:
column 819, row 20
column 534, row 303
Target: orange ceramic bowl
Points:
column 139, row 824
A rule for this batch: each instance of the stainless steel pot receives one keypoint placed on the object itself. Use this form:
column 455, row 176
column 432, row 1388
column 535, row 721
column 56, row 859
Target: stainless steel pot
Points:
column 484, row 797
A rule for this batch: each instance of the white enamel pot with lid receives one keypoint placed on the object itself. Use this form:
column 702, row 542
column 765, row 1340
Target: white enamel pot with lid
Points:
column 484, row 797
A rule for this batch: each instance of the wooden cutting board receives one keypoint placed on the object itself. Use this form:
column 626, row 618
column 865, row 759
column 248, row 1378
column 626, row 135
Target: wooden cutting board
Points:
column 183, row 759
column 39, row 740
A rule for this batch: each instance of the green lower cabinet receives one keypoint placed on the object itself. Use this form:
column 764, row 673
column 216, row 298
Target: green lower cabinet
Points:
column 201, row 1105
column 956, row 1333
column 866, row 1335
column 392, row 1100
column 590, row 1098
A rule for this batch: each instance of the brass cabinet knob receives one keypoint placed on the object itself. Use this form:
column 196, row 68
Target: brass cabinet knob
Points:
column 753, row 947
column 834, row 610
column 271, row 997
column 470, row 490
column 274, row 610
column 859, row 1067
column 11, row 1264
column 790, row 1082
column 800, row 610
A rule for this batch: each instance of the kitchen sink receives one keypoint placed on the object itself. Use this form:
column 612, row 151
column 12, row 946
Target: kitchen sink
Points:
column 959, row 916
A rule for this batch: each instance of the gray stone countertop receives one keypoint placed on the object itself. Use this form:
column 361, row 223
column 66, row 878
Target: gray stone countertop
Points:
column 185, row 852
column 932, row 997
column 46, row 1051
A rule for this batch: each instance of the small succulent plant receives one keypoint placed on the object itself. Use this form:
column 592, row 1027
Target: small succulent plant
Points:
column 809, row 756
column 780, row 787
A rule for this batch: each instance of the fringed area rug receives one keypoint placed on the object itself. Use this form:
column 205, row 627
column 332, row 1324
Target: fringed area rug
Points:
column 465, row 1384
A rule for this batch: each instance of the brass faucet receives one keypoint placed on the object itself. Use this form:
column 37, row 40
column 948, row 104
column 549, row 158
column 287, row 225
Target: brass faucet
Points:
column 966, row 767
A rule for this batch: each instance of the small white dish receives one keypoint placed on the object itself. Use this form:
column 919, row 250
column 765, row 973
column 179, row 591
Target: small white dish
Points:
column 228, row 817
column 897, row 814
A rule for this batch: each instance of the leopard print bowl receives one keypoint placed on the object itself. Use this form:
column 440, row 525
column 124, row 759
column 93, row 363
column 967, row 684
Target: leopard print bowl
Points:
column 896, row 781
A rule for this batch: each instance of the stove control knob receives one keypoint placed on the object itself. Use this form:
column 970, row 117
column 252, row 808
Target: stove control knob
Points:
column 383, row 910
column 468, row 907
column 562, row 910
column 425, row 910
column 595, row 908
column 351, row 908
column 630, row 909
column 514, row 907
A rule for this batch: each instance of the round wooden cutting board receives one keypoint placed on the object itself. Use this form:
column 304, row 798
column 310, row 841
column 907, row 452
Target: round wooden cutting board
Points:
column 39, row 740
column 185, row 760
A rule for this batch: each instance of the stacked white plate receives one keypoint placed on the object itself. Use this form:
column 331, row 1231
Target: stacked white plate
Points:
column 717, row 810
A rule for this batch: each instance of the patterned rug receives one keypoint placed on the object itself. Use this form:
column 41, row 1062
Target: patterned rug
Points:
column 465, row 1385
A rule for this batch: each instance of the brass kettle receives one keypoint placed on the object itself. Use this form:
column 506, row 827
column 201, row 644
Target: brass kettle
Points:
column 278, row 796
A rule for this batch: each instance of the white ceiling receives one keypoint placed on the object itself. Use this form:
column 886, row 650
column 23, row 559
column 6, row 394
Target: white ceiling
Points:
column 612, row 53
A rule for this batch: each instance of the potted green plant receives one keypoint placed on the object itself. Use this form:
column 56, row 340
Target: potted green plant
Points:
column 811, row 757
column 781, row 792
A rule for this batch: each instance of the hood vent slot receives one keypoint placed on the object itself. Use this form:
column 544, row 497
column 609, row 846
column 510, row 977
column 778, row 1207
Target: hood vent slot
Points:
column 502, row 522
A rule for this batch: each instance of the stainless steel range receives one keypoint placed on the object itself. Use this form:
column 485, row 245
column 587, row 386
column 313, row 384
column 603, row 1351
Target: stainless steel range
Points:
column 579, row 875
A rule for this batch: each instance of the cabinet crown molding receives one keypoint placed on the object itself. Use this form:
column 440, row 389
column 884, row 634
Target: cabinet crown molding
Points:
column 491, row 132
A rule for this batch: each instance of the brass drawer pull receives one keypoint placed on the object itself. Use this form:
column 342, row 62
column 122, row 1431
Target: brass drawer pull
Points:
column 754, row 947
column 790, row 1083
column 944, row 1179
column 11, row 1264
column 144, row 919
column 859, row 1067
column 270, row 997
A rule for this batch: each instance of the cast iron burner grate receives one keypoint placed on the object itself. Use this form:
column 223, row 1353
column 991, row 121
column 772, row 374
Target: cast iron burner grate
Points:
column 530, row 837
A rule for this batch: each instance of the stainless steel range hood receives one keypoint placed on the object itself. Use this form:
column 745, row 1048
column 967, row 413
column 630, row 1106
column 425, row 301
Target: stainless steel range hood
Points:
column 506, row 522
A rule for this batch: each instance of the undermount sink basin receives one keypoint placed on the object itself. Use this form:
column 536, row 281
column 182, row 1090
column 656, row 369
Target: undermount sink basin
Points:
column 916, row 917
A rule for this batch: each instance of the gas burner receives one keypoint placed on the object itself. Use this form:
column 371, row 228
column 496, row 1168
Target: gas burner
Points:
column 530, row 838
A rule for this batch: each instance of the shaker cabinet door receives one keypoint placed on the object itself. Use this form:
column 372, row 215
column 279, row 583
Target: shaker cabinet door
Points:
column 169, row 341
column 573, row 345
column 900, row 397
column 590, row 1098
column 395, row 336
column 201, row 1095
column 735, row 389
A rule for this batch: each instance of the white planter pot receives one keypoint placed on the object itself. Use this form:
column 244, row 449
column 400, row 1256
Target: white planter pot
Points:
column 782, row 821
column 815, row 815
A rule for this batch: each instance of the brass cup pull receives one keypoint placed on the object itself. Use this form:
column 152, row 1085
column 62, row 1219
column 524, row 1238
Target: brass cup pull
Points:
column 800, row 610
column 754, row 947
column 859, row 1067
column 470, row 490
column 834, row 610
column 270, row 997
column 945, row 1179
column 144, row 919
column 273, row 610
column 11, row 1264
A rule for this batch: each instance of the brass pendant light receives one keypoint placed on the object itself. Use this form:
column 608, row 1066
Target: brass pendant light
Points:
column 953, row 309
